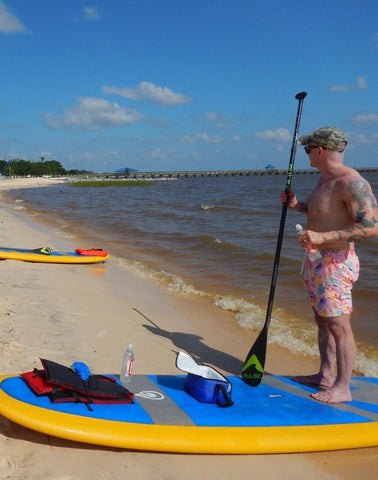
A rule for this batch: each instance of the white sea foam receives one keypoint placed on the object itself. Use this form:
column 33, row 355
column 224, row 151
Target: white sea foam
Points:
column 171, row 281
column 289, row 332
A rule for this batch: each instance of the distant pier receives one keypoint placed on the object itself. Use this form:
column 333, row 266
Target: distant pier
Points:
column 212, row 173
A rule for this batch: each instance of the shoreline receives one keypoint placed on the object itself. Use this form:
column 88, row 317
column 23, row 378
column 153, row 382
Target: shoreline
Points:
column 70, row 313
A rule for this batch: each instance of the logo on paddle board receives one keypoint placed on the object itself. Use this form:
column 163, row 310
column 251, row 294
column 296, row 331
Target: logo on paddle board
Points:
column 253, row 363
column 150, row 395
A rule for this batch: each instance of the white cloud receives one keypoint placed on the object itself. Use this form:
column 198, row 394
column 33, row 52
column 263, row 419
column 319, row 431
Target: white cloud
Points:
column 157, row 153
column 93, row 114
column 218, row 121
column 207, row 138
column 361, row 138
column 150, row 92
column 279, row 135
column 366, row 117
column 210, row 116
column 360, row 85
column 46, row 155
column 9, row 23
column 188, row 139
column 13, row 154
column 91, row 13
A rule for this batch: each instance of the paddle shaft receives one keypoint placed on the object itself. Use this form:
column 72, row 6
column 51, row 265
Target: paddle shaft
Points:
column 253, row 368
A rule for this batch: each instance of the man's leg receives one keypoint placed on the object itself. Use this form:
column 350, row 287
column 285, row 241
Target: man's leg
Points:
column 345, row 347
column 327, row 350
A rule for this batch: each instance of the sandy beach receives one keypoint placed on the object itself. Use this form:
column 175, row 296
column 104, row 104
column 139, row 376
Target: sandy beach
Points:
column 70, row 313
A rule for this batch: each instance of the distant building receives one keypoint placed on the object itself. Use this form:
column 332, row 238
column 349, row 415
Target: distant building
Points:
column 270, row 167
column 125, row 171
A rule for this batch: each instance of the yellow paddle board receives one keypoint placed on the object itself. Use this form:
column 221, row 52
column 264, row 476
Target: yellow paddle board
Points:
column 46, row 255
column 276, row 417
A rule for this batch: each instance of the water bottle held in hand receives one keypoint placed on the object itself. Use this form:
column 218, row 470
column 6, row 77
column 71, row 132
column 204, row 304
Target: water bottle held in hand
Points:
column 312, row 251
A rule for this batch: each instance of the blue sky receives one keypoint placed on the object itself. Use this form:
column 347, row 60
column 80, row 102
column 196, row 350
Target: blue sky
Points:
column 185, row 84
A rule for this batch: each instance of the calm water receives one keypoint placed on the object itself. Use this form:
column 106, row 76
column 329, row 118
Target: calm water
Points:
column 214, row 237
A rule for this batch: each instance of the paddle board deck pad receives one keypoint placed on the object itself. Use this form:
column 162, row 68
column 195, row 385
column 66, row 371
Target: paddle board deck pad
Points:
column 46, row 255
column 276, row 417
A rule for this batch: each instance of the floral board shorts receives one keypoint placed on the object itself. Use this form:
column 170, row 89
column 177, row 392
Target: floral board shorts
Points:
column 329, row 281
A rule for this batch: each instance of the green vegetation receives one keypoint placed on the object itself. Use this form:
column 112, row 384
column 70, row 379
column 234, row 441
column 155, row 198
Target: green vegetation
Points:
column 110, row 183
column 24, row 168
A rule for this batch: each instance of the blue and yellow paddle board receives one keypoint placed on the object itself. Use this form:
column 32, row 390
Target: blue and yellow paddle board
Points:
column 46, row 255
column 276, row 417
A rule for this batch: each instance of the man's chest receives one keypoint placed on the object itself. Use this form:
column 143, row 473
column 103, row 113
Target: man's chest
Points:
column 324, row 200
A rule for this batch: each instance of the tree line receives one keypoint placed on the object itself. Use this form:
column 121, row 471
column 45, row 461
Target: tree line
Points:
column 25, row 168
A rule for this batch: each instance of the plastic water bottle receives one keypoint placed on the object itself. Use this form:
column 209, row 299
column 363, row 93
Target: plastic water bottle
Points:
column 127, row 365
column 312, row 251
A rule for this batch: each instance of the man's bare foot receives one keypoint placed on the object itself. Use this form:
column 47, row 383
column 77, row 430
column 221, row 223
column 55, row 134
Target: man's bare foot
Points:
column 333, row 395
column 315, row 380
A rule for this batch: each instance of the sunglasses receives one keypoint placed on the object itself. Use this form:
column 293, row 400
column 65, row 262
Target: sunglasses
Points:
column 308, row 148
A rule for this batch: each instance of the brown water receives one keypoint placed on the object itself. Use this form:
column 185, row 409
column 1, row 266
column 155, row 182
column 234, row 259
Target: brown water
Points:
column 213, row 237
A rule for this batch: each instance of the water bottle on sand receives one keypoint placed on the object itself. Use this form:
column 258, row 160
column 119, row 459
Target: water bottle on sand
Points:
column 312, row 251
column 127, row 365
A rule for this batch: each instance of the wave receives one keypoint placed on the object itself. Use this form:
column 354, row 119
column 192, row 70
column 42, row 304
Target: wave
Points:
column 218, row 243
column 217, row 208
column 209, row 207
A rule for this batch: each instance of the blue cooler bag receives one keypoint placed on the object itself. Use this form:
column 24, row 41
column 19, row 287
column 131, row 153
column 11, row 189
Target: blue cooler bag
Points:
column 204, row 383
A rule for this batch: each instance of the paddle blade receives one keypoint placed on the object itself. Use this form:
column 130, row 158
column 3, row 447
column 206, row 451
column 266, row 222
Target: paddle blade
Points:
column 253, row 368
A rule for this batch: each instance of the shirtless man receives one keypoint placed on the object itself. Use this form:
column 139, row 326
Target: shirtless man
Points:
column 340, row 210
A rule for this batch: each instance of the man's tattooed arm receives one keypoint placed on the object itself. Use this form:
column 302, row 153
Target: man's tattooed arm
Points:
column 366, row 215
column 363, row 208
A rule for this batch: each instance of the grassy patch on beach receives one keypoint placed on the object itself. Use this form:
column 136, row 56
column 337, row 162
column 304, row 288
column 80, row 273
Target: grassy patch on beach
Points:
column 110, row 183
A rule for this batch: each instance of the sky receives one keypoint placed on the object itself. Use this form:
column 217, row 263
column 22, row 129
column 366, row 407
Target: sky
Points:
column 161, row 85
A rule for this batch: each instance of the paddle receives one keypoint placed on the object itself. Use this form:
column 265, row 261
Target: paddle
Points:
column 253, row 368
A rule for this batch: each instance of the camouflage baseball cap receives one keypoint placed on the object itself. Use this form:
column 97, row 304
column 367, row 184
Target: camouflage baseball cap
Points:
column 327, row 137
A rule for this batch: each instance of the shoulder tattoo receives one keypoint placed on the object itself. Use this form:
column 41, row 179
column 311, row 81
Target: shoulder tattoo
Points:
column 361, row 192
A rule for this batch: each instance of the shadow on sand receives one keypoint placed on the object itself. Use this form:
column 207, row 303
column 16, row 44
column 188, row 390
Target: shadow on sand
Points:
column 194, row 346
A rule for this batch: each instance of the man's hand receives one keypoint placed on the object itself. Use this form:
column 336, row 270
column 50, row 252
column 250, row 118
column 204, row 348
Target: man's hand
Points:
column 293, row 203
column 309, row 237
column 290, row 197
